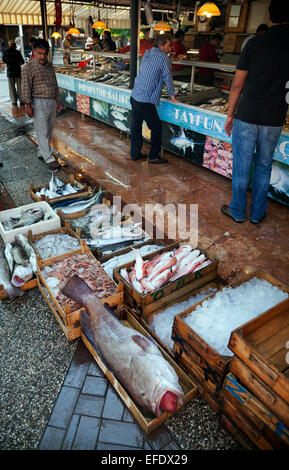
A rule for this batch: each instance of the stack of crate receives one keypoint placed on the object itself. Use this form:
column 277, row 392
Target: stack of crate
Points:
column 255, row 394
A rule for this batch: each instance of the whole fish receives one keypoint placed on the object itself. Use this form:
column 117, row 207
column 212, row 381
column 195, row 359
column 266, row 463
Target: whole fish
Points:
column 135, row 360
column 5, row 277
column 25, row 245
column 81, row 204
column 9, row 256
column 19, row 255
column 21, row 274
column 28, row 217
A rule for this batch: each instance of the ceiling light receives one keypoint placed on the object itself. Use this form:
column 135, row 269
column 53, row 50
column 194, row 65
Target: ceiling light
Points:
column 56, row 35
column 73, row 31
column 209, row 9
column 162, row 26
column 99, row 25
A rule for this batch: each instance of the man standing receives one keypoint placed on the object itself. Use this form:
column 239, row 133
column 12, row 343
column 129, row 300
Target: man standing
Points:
column 14, row 60
column 178, row 50
column 155, row 70
column 261, row 76
column 208, row 53
column 41, row 95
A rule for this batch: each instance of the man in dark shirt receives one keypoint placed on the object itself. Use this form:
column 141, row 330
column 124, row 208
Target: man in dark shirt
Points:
column 208, row 53
column 14, row 60
column 261, row 77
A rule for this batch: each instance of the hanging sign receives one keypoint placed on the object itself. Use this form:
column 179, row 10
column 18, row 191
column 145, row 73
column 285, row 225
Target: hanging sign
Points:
column 58, row 12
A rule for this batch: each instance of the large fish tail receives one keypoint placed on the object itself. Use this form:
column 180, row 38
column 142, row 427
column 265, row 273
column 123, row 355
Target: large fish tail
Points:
column 12, row 291
column 77, row 289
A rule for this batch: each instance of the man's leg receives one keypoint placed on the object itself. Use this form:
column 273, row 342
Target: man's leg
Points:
column 12, row 90
column 43, row 121
column 136, row 138
column 18, row 88
column 244, row 140
column 266, row 145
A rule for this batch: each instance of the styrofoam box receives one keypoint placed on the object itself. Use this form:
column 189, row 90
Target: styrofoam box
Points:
column 42, row 226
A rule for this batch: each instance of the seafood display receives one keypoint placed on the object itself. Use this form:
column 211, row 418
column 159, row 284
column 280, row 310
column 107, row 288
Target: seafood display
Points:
column 57, row 188
column 21, row 261
column 148, row 276
column 218, row 157
column 216, row 104
column 117, row 235
column 87, row 268
column 77, row 205
column 56, row 244
column 135, row 360
column 25, row 217
column 5, row 277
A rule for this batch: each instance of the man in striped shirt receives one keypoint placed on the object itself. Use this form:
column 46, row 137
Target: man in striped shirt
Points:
column 155, row 70
column 41, row 96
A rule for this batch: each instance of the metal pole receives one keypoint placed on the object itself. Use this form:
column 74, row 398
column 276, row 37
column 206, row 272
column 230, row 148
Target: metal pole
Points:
column 44, row 18
column 134, row 38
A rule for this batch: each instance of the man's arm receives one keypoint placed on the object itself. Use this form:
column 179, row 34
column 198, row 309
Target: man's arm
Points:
column 236, row 90
column 26, row 91
column 168, row 79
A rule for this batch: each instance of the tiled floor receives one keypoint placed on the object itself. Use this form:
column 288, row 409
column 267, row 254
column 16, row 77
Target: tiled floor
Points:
column 88, row 415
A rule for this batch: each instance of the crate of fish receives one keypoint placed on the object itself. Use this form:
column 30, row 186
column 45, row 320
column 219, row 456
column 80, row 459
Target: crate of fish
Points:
column 149, row 382
column 38, row 217
column 263, row 344
column 249, row 414
column 201, row 334
column 55, row 243
column 160, row 278
column 18, row 268
column 92, row 205
column 57, row 190
column 52, row 275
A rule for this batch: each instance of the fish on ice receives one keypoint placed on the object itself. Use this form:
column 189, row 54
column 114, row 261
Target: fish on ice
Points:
column 28, row 217
column 135, row 360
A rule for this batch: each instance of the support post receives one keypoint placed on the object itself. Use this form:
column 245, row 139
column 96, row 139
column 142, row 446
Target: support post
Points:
column 44, row 18
column 134, row 33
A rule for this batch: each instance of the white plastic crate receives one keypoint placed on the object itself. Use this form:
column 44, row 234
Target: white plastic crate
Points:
column 52, row 223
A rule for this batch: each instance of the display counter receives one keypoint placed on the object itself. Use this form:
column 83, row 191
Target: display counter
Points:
column 190, row 129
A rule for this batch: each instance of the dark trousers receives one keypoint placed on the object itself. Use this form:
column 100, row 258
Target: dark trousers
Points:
column 144, row 112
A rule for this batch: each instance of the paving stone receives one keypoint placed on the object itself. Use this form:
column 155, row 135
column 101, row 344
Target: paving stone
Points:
column 102, row 446
column 94, row 369
column 78, row 367
column 95, row 385
column 52, row 439
column 116, row 432
column 89, row 405
column 86, row 435
column 159, row 438
column 72, row 428
column 113, row 407
column 64, row 406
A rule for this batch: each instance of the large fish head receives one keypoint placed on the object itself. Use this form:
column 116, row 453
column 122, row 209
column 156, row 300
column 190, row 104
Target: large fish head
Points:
column 21, row 274
column 155, row 380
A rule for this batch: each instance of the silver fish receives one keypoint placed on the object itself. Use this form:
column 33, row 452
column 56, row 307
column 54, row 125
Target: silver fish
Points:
column 21, row 274
column 25, row 245
column 135, row 360
column 19, row 255
column 81, row 205
column 5, row 277
column 9, row 256
column 28, row 217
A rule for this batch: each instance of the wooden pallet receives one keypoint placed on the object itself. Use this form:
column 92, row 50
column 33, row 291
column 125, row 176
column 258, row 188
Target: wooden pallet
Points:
column 146, row 420
column 144, row 304
column 67, row 320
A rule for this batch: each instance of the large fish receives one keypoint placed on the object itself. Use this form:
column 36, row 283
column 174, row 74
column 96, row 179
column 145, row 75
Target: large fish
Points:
column 5, row 277
column 25, row 245
column 135, row 360
column 28, row 217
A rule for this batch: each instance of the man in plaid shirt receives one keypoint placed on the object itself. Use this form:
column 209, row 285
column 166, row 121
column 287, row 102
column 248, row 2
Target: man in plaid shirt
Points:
column 41, row 96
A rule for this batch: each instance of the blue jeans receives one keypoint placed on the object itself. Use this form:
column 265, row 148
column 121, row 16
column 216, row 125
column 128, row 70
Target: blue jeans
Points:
column 246, row 137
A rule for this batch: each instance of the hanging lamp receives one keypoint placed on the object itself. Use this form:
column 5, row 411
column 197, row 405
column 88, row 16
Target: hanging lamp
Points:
column 162, row 26
column 73, row 31
column 56, row 35
column 208, row 9
column 99, row 25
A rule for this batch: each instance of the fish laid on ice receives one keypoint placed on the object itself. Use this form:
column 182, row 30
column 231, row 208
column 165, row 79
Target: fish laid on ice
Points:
column 28, row 217
column 5, row 277
column 135, row 360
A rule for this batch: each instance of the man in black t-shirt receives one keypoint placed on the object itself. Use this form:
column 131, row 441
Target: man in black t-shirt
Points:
column 260, row 82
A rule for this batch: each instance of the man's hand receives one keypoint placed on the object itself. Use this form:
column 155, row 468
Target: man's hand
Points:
column 173, row 99
column 229, row 125
column 59, row 107
column 29, row 110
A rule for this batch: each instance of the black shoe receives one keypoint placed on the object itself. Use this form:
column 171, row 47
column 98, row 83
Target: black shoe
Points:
column 141, row 156
column 255, row 222
column 158, row 160
column 226, row 211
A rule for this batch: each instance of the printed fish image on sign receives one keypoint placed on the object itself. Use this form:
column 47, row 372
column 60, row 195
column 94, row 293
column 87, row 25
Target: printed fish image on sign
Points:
column 120, row 118
column 83, row 104
column 68, row 98
column 184, row 142
column 100, row 110
column 279, row 183
column 218, row 157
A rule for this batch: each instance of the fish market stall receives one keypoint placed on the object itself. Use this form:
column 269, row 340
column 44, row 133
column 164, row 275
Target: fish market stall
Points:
column 192, row 129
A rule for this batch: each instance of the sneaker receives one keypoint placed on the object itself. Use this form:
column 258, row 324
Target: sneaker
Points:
column 226, row 211
column 54, row 165
column 141, row 156
column 158, row 160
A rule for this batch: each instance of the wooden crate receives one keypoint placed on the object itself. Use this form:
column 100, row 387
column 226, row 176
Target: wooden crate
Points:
column 84, row 191
column 262, row 344
column 105, row 257
column 66, row 229
column 196, row 354
column 70, row 321
column 144, row 304
column 236, row 433
column 261, row 390
column 146, row 420
column 248, row 405
column 26, row 286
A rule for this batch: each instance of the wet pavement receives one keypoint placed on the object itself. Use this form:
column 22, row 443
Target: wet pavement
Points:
column 78, row 409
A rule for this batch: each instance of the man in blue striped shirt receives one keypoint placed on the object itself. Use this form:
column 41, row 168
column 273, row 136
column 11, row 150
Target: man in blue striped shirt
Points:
column 155, row 70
